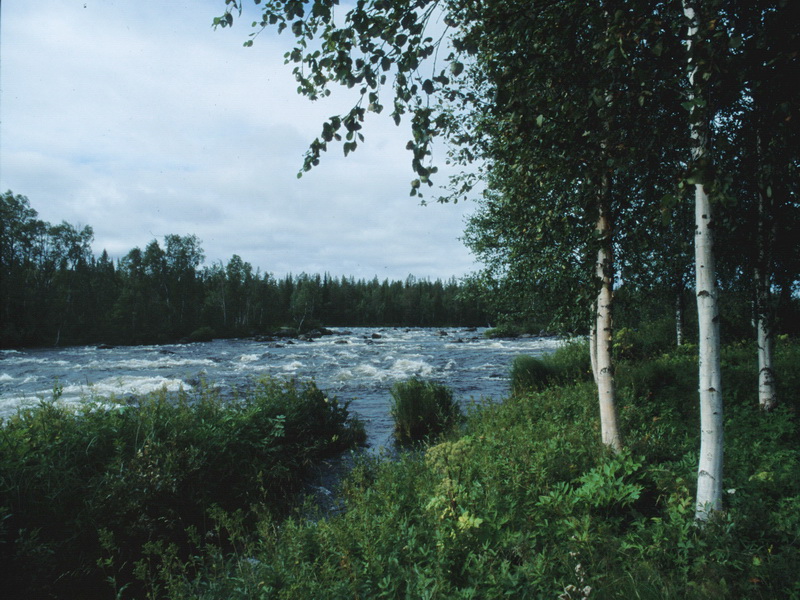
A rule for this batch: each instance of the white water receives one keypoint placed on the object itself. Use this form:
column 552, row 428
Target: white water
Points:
column 350, row 365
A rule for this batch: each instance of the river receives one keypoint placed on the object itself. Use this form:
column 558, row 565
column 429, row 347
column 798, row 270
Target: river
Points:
column 357, row 365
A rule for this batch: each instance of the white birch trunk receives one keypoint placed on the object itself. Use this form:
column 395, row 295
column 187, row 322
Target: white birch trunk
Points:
column 679, row 318
column 604, row 324
column 604, row 374
column 709, row 470
column 767, row 395
column 593, row 345
column 765, row 333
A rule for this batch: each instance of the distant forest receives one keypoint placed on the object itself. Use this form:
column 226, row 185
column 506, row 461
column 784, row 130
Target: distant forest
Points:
column 55, row 291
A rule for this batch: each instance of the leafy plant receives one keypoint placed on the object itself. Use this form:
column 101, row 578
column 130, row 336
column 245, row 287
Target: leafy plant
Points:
column 202, row 334
column 525, row 502
column 522, row 501
column 151, row 472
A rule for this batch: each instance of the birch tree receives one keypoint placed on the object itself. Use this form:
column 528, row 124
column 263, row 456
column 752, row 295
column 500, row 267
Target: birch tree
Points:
column 700, row 26
column 575, row 104
column 540, row 109
column 561, row 100
column 765, row 134
column 566, row 80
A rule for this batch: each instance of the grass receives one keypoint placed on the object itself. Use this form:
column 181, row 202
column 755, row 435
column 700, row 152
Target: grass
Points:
column 422, row 410
column 535, row 373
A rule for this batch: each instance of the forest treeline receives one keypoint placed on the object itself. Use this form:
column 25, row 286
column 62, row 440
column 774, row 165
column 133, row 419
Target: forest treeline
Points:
column 55, row 291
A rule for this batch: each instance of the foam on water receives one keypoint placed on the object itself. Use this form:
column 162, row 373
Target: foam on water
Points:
column 164, row 362
column 249, row 358
column 343, row 375
column 101, row 391
column 32, row 360
column 355, row 366
column 125, row 385
column 406, row 367
column 252, row 367
column 368, row 371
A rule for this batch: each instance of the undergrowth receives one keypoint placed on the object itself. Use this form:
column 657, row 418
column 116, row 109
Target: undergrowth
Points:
column 523, row 501
column 90, row 493
column 567, row 365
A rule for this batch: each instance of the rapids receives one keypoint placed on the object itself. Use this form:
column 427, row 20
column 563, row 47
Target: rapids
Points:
column 357, row 365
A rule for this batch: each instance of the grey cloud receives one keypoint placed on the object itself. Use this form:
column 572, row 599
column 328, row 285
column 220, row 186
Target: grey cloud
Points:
column 140, row 120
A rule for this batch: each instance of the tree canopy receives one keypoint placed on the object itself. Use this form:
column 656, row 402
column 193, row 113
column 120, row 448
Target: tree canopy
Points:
column 588, row 121
column 55, row 291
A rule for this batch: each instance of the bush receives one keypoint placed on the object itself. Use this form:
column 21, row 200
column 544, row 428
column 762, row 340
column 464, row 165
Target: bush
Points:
column 108, row 480
column 526, row 502
column 666, row 377
column 516, row 329
column 649, row 339
column 530, row 373
column 422, row 410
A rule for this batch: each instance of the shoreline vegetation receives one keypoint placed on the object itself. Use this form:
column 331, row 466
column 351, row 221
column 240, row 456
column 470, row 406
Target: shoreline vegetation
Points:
column 193, row 499
column 92, row 491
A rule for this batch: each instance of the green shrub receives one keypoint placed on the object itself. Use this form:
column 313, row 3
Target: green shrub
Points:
column 526, row 502
column 422, row 410
column 150, row 472
column 516, row 329
column 648, row 340
column 665, row 377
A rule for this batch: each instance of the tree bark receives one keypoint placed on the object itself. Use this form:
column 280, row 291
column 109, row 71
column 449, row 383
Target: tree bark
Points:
column 767, row 394
column 593, row 345
column 709, row 470
column 679, row 316
column 604, row 374
column 765, row 332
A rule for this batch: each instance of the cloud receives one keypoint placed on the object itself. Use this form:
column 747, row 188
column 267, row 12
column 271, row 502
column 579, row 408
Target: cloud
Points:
column 141, row 120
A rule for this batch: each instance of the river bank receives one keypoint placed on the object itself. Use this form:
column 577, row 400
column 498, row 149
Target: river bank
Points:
column 522, row 500
column 358, row 365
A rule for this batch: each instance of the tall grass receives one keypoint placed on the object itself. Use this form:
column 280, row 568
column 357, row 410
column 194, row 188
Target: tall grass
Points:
column 422, row 410
column 569, row 363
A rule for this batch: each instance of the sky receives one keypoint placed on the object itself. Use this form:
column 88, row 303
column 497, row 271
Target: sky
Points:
column 141, row 120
